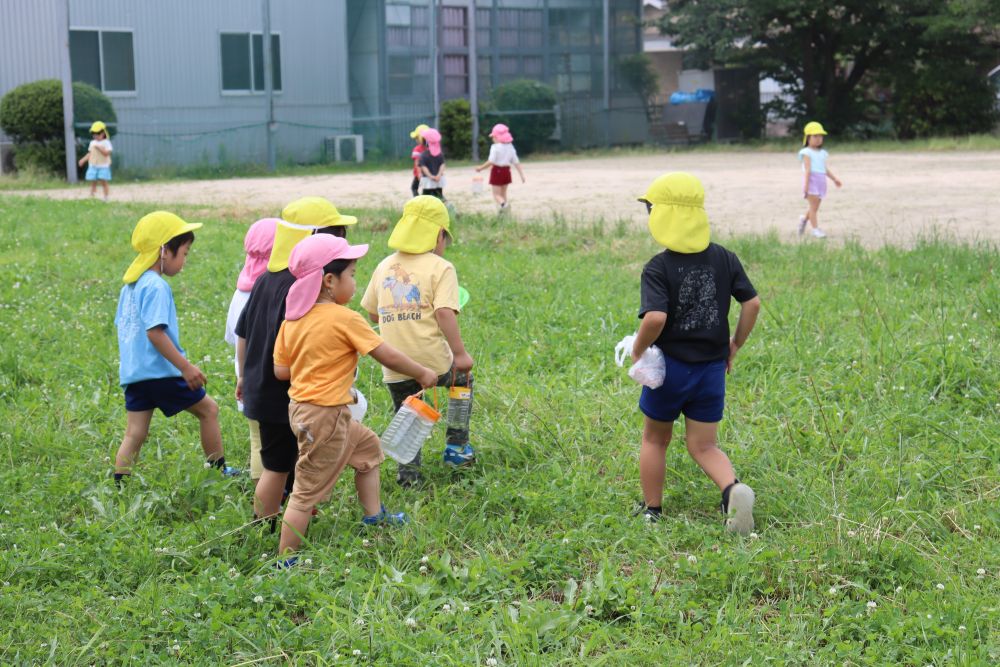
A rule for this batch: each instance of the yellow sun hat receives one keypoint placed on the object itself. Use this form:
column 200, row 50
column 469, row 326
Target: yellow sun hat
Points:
column 417, row 130
column 148, row 238
column 811, row 128
column 99, row 126
column 302, row 218
column 417, row 230
column 677, row 219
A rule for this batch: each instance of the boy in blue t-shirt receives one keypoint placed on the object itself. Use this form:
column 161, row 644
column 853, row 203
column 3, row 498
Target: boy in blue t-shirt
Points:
column 153, row 369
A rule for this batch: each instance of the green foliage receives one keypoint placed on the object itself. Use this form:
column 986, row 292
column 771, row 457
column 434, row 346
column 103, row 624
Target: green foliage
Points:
column 32, row 115
column 531, row 130
column 862, row 409
column 456, row 129
column 830, row 55
column 638, row 73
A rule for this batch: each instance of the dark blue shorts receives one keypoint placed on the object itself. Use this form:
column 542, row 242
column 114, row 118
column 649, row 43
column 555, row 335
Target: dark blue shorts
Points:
column 170, row 395
column 697, row 390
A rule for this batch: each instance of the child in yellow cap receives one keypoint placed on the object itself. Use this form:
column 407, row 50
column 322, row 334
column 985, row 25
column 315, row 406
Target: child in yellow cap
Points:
column 418, row 149
column 265, row 397
column 685, row 298
column 813, row 158
column 413, row 296
column 153, row 369
column 99, row 157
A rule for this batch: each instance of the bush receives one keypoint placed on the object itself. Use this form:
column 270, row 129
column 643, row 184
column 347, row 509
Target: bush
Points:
column 638, row 74
column 456, row 130
column 942, row 98
column 32, row 115
column 531, row 131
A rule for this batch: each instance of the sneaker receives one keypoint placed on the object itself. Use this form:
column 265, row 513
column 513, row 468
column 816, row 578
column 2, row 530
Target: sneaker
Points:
column 230, row 471
column 384, row 518
column 459, row 455
column 738, row 511
column 819, row 233
column 287, row 564
column 649, row 515
column 802, row 224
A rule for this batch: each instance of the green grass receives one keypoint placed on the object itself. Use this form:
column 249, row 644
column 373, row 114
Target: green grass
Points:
column 864, row 411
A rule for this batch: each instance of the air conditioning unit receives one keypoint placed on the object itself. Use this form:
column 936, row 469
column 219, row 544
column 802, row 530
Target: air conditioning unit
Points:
column 333, row 148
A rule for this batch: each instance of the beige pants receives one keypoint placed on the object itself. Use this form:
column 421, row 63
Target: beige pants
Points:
column 256, row 467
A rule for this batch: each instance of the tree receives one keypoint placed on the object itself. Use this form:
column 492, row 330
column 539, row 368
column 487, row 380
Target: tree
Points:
column 513, row 99
column 637, row 72
column 828, row 53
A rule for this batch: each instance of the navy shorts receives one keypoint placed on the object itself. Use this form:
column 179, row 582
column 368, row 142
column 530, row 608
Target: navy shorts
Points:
column 279, row 447
column 697, row 390
column 170, row 395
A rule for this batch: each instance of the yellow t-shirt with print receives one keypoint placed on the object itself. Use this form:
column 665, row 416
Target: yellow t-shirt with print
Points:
column 406, row 290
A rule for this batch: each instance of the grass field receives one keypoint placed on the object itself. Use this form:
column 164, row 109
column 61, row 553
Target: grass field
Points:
column 864, row 411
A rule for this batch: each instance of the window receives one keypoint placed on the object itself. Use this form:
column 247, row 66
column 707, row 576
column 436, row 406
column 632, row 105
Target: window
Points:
column 103, row 58
column 243, row 62
column 483, row 17
column 572, row 27
column 453, row 27
column 407, row 26
column 485, row 79
column 520, row 28
column 573, row 73
column 408, row 75
column 456, row 76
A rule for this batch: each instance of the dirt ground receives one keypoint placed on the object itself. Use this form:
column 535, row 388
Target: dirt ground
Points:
column 887, row 198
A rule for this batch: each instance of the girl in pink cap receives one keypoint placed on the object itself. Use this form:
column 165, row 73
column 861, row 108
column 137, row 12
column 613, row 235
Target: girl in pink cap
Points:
column 502, row 156
column 432, row 165
column 317, row 350
column 257, row 243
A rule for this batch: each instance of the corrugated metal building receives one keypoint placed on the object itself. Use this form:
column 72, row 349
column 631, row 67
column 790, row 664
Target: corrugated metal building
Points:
column 186, row 77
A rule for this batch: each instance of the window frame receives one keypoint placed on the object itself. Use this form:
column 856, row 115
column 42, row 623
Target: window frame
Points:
column 100, row 58
column 248, row 92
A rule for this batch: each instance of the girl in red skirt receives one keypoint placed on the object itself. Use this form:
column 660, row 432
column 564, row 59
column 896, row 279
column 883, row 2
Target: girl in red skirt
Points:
column 502, row 156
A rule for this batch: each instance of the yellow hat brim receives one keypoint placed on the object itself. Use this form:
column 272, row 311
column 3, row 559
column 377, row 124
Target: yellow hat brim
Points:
column 680, row 228
column 286, row 237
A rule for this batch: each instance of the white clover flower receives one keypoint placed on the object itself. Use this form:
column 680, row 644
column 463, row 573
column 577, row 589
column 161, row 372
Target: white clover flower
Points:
column 851, row 533
column 177, row 648
column 410, row 622
column 940, row 587
column 692, row 559
column 981, row 572
column 465, row 608
column 872, row 604
column 754, row 536
column 211, row 517
column 197, row 614
column 365, row 542
column 163, row 613
column 565, row 540
column 974, row 527
column 348, row 554
column 588, row 610
column 347, row 571
column 356, row 652
column 899, row 589
column 833, row 590
column 359, row 621
column 211, row 578
column 308, row 561
column 961, row 628
column 207, row 465
column 446, row 608
column 491, row 662
column 423, row 569
column 233, row 572
column 425, row 560
column 258, row 599
column 61, row 545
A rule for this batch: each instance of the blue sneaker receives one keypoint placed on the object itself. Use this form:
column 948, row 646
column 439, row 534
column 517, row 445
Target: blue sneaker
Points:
column 230, row 471
column 384, row 518
column 459, row 455
column 287, row 564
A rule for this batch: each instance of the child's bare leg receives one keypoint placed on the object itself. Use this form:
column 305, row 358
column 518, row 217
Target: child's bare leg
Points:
column 367, row 483
column 703, row 446
column 293, row 527
column 813, row 213
column 498, row 194
column 653, row 460
column 93, row 188
column 207, row 412
column 503, row 191
column 136, row 430
column 267, row 495
column 104, row 187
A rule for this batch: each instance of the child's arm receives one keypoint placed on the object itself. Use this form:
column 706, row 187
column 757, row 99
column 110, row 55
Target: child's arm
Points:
column 649, row 330
column 833, row 178
column 373, row 317
column 241, row 360
column 102, row 150
column 425, row 171
column 161, row 341
column 84, row 159
column 395, row 360
column 440, row 174
column 748, row 317
column 448, row 321
column 283, row 373
column 807, row 168
column 520, row 171
column 485, row 165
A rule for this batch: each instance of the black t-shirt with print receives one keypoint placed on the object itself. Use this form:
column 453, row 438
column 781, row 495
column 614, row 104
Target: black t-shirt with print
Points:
column 432, row 162
column 694, row 291
column 265, row 397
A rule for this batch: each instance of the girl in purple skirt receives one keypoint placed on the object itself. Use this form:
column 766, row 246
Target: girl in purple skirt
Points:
column 813, row 158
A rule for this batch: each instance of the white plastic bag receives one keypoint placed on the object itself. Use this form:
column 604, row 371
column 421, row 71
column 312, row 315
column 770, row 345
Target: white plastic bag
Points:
column 649, row 370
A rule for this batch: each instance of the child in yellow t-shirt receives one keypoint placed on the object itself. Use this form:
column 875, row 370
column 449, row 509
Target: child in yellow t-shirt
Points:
column 317, row 350
column 413, row 296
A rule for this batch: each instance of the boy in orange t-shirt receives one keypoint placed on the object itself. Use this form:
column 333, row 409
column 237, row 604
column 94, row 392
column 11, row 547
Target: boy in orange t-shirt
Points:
column 317, row 349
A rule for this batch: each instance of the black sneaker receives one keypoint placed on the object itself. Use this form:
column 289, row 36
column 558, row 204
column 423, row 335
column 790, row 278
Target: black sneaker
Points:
column 649, row 514
column 409, row 477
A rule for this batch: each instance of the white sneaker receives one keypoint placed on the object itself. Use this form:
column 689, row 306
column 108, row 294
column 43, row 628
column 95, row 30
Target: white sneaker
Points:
column 802, row 224
column 819, row 233
column 739, row 514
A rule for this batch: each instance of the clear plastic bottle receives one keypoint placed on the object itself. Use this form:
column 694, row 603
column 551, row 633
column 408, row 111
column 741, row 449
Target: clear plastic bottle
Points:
column 409, row 429
column 459, row 408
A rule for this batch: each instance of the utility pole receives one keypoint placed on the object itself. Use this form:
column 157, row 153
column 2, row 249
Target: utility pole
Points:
column 435, row 38
column 473, row 80
column 66, row 70
column 268, row 84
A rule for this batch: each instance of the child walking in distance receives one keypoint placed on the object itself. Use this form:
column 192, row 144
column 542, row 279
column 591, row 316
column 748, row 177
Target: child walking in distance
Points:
column 413, row 296
column 686, row 293
column 153, row 369
column 431, row 165
column 813, row 158
column 99, row 157
column 265, row 397
column 415, row 154
column 502, row 156
column 257, row 243
column 317, row 350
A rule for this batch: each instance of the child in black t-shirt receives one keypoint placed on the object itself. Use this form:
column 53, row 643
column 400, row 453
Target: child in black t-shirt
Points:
column 686, row 293
column 432, row 165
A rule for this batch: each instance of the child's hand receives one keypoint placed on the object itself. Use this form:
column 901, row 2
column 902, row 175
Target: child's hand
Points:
column 733, row 349
column 194, row 377
column 463, row 362
column 239, row 389
column 80, row 163
column 427, row 379
column 837, row 182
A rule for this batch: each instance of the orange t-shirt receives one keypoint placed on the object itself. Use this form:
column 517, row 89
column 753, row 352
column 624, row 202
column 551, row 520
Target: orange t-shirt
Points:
column 321, row 349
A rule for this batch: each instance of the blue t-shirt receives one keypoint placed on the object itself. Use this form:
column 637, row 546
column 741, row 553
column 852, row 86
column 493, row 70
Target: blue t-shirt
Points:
column 817, row 159
column 146, row 303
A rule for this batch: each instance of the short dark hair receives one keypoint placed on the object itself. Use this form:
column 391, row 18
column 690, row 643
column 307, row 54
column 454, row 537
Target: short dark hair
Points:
column 336, row 230
column 174, row 244
column 338, row 266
